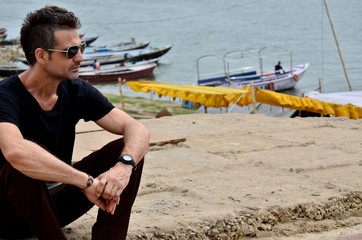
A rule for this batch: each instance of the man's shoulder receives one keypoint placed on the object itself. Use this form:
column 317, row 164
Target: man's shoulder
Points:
column 9, row 85
column 9, row 81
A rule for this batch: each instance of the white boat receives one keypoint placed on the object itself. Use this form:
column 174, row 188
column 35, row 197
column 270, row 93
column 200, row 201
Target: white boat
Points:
column 236, row 75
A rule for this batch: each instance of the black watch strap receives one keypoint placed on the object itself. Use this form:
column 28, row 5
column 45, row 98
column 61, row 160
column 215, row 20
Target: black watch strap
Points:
column 128, row 159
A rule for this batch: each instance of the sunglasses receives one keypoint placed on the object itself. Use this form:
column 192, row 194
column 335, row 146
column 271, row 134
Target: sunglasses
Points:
column 72, row 50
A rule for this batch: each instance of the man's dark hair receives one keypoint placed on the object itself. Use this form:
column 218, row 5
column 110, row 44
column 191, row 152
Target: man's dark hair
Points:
column 39, row 27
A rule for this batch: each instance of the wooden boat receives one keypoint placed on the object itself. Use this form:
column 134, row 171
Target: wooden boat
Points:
column 89, row 40
column 113, row 74
column 116, row 67
column 120, row 56
column 126, row 47
column 10, row 42
column 235, row 75
column 8, row 70
column 152, row 53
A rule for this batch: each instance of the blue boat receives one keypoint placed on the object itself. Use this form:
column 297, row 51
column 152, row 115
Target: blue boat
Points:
column 125, row 47
column 122, row 56
column 234, row 74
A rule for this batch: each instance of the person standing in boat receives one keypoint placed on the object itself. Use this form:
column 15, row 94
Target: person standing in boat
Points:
column 278, row 69
column 96, row 65
column 41, row 191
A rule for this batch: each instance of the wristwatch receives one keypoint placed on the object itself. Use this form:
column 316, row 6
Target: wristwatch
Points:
column 128, row 159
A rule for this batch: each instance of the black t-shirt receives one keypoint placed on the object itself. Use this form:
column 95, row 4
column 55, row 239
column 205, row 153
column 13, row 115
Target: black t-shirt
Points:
column 54, row 130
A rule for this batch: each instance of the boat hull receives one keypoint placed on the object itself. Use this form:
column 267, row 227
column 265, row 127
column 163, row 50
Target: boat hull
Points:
column 157, row 53
column 269, row 81
column 89, row 40
column 119, row 57
column 127, row 47
column 124, row 73
column 7, row 71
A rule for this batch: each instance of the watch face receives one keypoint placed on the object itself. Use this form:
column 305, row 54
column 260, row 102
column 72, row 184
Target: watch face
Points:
column 127, row 157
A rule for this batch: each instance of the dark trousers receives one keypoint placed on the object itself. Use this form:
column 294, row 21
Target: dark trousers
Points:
column 28, row 209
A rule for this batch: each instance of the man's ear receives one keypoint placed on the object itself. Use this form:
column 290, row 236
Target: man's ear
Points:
column 41, row 55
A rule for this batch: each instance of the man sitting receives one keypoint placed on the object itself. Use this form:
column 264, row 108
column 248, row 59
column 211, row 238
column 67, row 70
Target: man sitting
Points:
column 40, row 191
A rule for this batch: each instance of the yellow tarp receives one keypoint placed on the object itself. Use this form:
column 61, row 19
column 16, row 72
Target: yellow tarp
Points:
column 208, row 96
column 297, row 103
column 221, row 97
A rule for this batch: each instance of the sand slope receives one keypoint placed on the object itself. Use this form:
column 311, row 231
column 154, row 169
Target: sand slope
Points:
column 240, row 176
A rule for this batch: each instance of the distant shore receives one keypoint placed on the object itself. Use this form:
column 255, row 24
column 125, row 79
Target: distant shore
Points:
column 10, row 54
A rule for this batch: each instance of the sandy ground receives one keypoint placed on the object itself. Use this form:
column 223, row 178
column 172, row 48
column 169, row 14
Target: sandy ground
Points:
column 236, row 176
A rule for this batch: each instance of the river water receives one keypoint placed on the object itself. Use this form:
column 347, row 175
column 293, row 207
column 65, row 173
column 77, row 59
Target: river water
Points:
column 202, row 27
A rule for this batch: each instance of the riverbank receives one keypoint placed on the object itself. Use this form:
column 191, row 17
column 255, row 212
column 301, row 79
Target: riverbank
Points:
column 10, row 54
column 142, row 108
column 241, row 176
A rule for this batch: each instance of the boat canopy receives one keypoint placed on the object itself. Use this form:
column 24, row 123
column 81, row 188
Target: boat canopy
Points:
column 222, row 97
column 352, row 97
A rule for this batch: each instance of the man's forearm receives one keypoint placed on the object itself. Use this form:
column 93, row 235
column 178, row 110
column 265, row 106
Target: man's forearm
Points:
column 35, row 162
column 136, row 141
column 136, row 136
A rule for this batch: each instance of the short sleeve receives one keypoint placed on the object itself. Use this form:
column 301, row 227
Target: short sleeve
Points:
column 9, row 103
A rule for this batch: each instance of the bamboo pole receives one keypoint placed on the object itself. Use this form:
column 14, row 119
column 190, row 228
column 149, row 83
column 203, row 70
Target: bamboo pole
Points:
column 120, row 91
column 320, row 90
column 253, row 97
column 300, row 110
column 339, row 51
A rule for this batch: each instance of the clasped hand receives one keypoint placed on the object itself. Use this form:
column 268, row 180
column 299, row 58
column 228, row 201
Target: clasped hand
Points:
column 107, row 187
